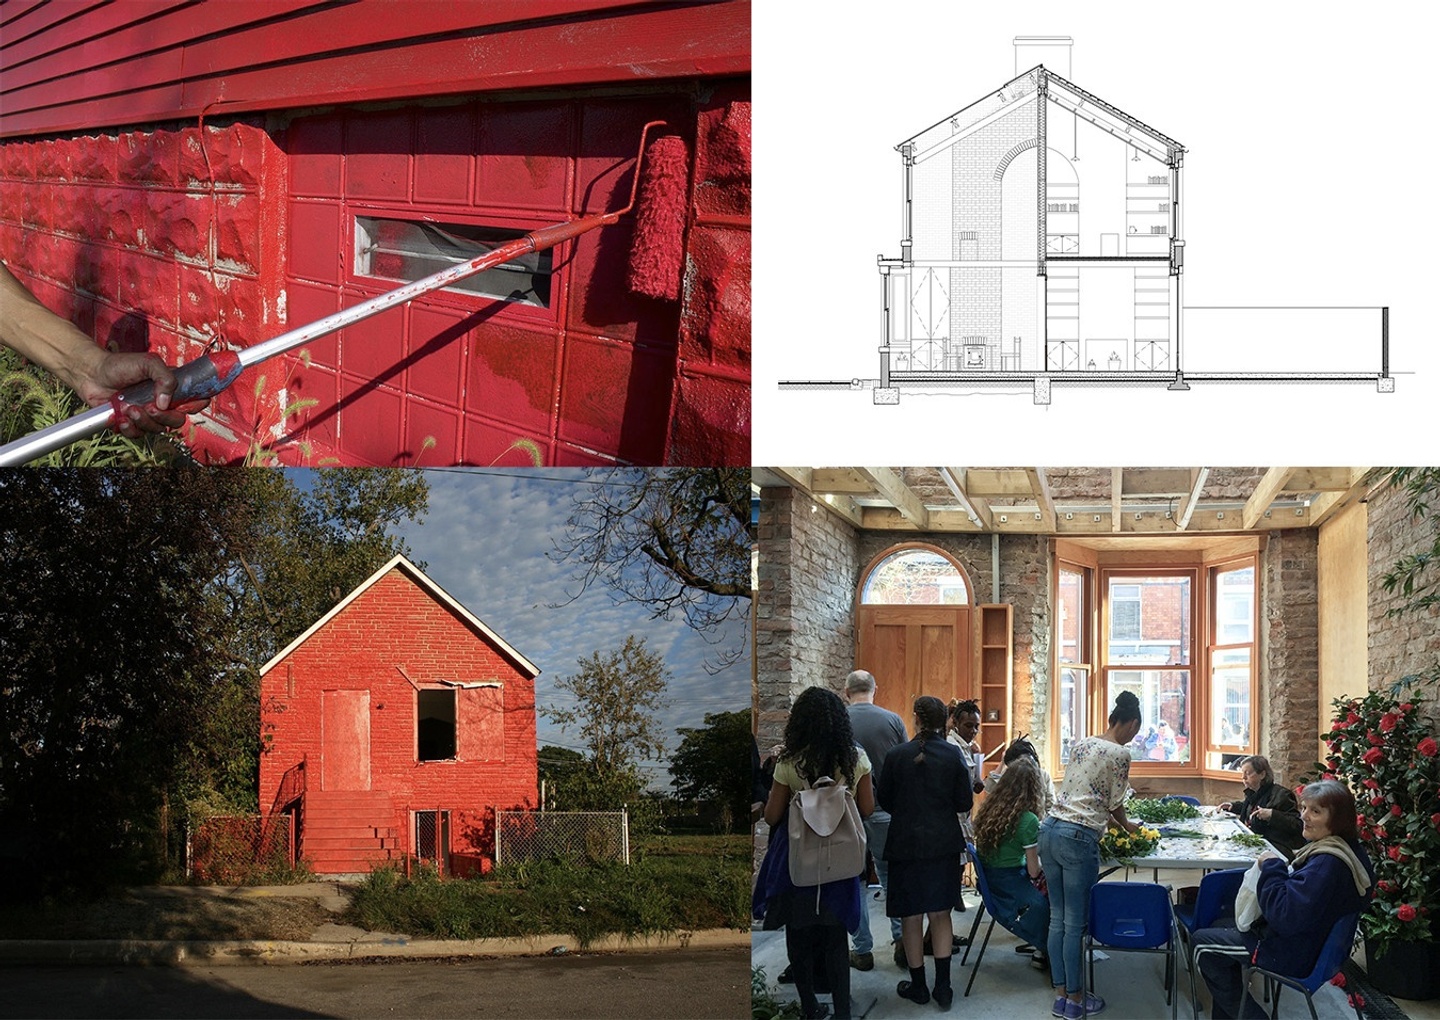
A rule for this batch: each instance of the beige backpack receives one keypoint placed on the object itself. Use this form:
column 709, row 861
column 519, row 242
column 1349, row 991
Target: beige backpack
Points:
column 827, row 840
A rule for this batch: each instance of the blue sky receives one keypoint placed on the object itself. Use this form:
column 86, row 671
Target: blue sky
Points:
column 485, row 540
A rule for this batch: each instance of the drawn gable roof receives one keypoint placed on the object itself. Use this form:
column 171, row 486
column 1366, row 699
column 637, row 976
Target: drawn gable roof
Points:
column 1023, row 90
column 430, row 588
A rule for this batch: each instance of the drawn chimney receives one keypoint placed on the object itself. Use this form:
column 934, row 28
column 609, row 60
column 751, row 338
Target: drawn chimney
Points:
column 1051, row 50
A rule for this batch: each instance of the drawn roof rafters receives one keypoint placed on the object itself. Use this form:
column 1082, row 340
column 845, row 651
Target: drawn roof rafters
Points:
column 1051, row 78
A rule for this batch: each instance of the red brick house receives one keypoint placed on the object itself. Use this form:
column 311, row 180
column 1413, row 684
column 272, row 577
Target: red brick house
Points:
column 396, row 725
column 190, row 177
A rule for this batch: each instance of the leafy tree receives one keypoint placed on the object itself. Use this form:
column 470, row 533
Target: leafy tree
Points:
column 107, row 669
column 558, row 768
column 676, row 540
column 617, row 697
column 713, row 764
column 137, row 609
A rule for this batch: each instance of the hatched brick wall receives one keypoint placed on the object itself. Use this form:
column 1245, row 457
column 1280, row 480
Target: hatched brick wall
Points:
column 393, row 625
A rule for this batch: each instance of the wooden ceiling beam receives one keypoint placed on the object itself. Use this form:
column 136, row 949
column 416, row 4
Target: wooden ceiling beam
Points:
column 889, row 484
column 1198, row 477
column 1040, row 486
column 1269, row 486
column 1328, row 504
column 977, row 507
column 989, row 483
column 1117, row 497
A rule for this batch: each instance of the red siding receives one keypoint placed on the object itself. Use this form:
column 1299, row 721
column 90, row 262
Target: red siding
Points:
column 360, row 653
column 125, row 233
column 77, row 66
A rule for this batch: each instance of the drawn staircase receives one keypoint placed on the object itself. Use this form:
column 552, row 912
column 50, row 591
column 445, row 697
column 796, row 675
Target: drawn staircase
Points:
column 348, row 832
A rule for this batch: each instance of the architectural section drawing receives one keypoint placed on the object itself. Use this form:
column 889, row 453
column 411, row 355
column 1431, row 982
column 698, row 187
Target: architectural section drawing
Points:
column 1044, row 241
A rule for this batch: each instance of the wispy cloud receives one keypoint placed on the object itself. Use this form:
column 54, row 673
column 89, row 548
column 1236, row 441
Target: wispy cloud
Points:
column 485, row 541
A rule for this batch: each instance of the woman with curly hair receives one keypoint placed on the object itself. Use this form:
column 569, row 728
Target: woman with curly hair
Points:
column 925, row 786
column 1007, row 837
column 818, row 743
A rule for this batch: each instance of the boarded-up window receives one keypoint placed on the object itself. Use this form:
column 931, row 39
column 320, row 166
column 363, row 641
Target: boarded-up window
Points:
column 482, row 723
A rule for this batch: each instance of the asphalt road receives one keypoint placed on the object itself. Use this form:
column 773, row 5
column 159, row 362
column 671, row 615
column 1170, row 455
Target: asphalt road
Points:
column 665, row 986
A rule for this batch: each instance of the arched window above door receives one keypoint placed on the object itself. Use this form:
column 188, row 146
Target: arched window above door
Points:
column 915, row 575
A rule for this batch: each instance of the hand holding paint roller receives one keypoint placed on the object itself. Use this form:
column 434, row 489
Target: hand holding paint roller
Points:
column 55, row 344
column 656, row 260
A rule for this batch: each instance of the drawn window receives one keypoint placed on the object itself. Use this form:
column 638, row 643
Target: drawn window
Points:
column 915, row 577
column 435, row 729
column 409, row 250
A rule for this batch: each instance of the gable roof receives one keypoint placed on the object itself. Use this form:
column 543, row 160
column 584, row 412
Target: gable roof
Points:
column 430, row 588
column 1024, row 85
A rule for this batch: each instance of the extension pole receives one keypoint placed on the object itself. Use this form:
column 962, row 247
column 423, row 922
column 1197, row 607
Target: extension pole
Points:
column 211, row 374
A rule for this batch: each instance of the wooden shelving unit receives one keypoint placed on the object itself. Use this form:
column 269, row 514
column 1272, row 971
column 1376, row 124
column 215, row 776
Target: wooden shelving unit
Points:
column 995, row 662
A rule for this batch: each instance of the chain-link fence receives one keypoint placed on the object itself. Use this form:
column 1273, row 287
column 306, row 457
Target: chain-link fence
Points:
column 234, row 849
column 583, row 835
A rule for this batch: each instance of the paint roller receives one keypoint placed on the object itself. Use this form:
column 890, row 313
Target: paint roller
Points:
column 657, row 252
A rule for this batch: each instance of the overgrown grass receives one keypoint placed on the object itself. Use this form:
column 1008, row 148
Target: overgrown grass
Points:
column 31, row 399
column 668, row 888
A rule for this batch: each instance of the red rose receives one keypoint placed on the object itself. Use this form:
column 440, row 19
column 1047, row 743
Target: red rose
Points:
column 1394, row 853
column 1338, row 724
column 1395, row 810
column 1388, row 721
column 1375, row 739
column 1385, row 885
column 1428, row 747
column 1405, row 912
column 1406, row 708
column 1339, row 979
column 1373, row 755
column 1371, row 784
column 1376, row 801
column 1327, row 775
column 1352, row 719
column 1435, row 819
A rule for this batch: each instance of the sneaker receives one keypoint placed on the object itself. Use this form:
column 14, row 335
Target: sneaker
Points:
column 862, row 961
column 1040, row 961
column 1024, row 947
column 1059, row 1008
column 1079, row 1010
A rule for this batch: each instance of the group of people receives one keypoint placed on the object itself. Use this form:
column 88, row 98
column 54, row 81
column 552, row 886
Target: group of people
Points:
column 1037, row 850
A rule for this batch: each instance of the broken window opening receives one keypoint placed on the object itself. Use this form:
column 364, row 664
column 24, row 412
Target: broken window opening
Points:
column 435, row 711
column 409, row 250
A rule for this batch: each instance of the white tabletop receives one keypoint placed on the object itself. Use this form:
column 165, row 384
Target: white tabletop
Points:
column 1209, row 849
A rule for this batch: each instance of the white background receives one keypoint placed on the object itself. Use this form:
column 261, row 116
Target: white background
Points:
column 1310, row 179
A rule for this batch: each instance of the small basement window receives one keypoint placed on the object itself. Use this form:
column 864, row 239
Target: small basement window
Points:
column 409, row 250
column 436, row 728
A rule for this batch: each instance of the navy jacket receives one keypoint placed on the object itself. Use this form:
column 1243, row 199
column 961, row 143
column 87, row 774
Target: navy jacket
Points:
column 924, row 800
column 1301, row 909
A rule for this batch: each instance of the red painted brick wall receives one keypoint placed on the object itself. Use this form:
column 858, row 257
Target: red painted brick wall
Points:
column 396, row 625
column 161, row 240
column 125, row 234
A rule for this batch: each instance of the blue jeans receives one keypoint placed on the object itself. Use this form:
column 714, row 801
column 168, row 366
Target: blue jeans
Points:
column 877, row 829
column 1024, row 910
column 1071, row 856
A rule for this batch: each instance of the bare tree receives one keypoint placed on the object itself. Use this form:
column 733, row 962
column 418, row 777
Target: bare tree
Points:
column 676, row 540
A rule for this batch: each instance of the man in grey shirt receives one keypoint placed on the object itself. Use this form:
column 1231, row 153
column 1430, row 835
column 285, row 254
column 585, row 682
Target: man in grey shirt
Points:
column 877, row 730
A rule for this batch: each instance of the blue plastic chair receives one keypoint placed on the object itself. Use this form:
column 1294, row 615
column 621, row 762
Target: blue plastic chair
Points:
column 986, row 905
column 1192, row 801
column 1214, row 901
column 1134, row 917
column 1333, row 955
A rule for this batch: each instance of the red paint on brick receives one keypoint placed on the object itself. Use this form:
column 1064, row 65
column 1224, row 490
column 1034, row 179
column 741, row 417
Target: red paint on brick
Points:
column 512, row 376
column 370, row 421
column 314, row 241
column 487, row 445
column 717, row 307
column 445, row 155
column 712, row 421
column 611, row 391
column 357, row 656
column 525, row 155
column 424, row 421
column 313, row 146
column 377, row 160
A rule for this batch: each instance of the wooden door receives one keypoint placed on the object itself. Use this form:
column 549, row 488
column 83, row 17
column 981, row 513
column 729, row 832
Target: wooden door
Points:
column 345, row 740
column 915, row 650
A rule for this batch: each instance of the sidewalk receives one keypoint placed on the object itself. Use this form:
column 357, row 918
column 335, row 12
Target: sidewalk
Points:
column 1007, row 986
column 328, row 941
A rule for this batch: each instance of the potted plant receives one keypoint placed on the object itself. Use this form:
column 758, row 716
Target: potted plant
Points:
column 1384, row 747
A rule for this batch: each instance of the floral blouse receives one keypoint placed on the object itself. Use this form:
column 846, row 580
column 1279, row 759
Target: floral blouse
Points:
column 1096, row 779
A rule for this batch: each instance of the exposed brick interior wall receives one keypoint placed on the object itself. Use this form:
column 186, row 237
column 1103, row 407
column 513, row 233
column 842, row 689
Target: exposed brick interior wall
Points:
column 161, row 239
column 805, row 621
column 1409, row 643
column 395, row 625
column 125, row 234
column 1289, row 655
